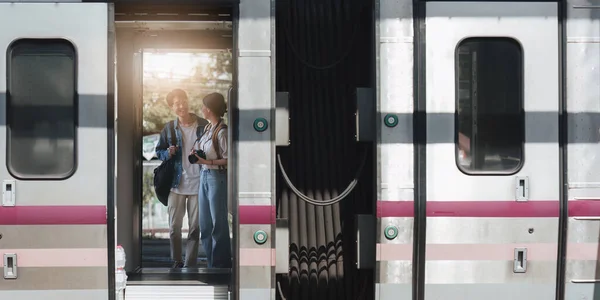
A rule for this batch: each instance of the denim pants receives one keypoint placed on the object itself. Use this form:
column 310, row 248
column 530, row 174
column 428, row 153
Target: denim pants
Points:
column 214, row 227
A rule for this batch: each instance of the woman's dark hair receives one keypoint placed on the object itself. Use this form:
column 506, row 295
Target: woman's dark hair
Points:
column 216, row 103
column 179, row 93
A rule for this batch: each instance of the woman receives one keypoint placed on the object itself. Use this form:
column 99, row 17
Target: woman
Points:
column 212, row 195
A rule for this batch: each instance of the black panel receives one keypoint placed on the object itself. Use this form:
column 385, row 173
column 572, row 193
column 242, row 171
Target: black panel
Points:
column 563, row 141
column 324, row 53
column 420, row 144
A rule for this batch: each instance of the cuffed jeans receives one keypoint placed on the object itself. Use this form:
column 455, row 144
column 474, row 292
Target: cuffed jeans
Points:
column 214, row 227
column 177, row 206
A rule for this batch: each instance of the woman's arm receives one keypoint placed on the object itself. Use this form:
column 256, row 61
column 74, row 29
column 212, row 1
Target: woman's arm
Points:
column 222, row 138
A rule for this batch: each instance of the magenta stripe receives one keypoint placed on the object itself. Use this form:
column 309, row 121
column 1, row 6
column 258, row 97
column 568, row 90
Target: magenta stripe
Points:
column 482, row 209
column 257, row 214
column 584, row 208
column 387, row 209
column 53, row 215
column 490, row 209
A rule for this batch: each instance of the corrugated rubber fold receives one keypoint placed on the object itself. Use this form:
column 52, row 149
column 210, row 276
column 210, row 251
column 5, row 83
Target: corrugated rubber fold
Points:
column 323, row 53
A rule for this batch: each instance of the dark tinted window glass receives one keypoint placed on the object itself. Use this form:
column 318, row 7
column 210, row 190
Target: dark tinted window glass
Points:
column 41, row 108
column 489, row 105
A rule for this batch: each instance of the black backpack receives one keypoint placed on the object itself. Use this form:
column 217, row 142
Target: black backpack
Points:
column 164, row 173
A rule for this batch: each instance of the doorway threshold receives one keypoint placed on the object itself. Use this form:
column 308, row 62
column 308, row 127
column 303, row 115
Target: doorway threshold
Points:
column 185, row 276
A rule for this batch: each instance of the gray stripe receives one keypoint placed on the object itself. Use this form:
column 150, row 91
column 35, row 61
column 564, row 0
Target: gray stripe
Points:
column 500, row 291
column 393, row 291
column 478, row 272
column 71, row 278
column 255, row 277
column 581, row 270
column 255, row 294
column 93, row 108
column 53, row 236
column 587, row 291
column 491, row 230
column 55, row 295
column 394, row 272
column 581, row 231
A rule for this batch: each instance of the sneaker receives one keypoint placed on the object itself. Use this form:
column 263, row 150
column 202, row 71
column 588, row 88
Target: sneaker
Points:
column 177, row 265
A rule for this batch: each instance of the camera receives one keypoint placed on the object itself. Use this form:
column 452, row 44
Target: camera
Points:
column 193, row 159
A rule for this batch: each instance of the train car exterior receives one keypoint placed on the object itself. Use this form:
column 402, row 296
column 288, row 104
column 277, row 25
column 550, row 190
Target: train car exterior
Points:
column 464, row 210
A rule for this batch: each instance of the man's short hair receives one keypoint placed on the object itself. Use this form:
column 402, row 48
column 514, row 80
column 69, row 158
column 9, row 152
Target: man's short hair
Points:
column 176, row 93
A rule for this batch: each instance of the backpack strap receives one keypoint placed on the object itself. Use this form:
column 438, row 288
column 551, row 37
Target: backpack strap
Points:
column 215, row 140
column 173, row 137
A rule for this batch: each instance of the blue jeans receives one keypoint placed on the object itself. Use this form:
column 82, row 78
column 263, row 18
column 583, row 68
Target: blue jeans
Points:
column 214, row 227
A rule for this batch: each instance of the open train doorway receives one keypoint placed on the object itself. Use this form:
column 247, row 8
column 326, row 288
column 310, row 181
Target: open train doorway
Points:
column 162, row 49
column 169, row 232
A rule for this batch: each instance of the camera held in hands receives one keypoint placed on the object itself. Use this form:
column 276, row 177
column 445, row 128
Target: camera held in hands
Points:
column 193, row 159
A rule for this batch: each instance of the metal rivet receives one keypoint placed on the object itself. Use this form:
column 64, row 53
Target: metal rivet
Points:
column 391, row 232
column 530, row 230
column 0, row 236
column 261, row 124
column 260, row 237
column 390, row 120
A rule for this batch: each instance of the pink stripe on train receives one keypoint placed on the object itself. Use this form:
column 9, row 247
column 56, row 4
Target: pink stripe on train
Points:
column 96, row 215
column 257, row 214
column 87, row 257
column 258, row 257
column 53, row 215
column 487, row 252
column 489, row 209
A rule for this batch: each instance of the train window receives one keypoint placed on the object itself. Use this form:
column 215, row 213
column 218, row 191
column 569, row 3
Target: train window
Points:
column 41, row 108
column 490, row 123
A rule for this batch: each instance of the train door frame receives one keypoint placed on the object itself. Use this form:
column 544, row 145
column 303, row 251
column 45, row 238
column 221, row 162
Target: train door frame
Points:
column 131, row 45
column 420, row 145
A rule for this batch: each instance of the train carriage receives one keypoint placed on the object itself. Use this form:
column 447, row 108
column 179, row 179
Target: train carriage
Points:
column 385, row 149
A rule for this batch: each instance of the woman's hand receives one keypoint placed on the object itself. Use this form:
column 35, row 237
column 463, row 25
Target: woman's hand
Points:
column 201, row 161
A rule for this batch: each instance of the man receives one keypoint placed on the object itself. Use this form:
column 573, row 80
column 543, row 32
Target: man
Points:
column 184, row 189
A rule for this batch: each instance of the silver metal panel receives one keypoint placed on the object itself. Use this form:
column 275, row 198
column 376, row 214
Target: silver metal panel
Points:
column 583, row 232
column 253, row 294
column 200, row 292
column 474, row 275
column 254, row 26
column 384, row 291
column 252, row 277
column 447, row 24
column 587, row 291
column 479, row 273
column 55, row 295
column 255, row 152
column 395, row 273
column 492, row 230
column 541, row 291
column 583, row 92
column 85, row 25
column 581, row 270
column 394, row 95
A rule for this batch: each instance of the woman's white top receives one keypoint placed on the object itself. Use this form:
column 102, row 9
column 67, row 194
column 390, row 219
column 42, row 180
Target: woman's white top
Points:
column 206, row 145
